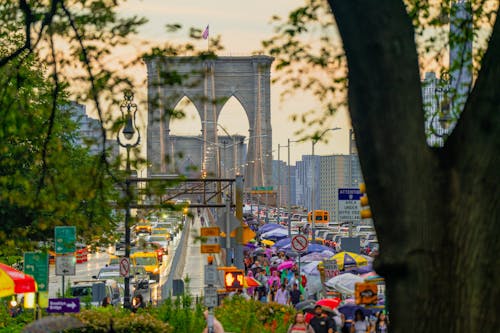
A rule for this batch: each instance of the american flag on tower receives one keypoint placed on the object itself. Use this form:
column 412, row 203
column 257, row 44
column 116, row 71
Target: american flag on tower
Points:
column 205, row 33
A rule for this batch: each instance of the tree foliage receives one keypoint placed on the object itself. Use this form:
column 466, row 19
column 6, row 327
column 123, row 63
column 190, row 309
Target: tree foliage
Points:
column 52, row 49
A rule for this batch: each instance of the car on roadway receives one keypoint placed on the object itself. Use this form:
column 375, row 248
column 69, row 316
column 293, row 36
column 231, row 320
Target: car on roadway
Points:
column 160, row 240
column 139, row 279
column 93, row 292
column 160, row 232
column 150, row 262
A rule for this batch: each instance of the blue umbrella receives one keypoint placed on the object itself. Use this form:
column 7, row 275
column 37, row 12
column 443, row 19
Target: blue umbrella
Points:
column 349, row 309
column 275, row 234
column 268, row 227
column 317, row 248
column 282, row 242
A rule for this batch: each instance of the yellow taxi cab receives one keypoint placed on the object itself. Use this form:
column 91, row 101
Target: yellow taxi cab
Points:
column 150, row 262
column 113, row 260
column 143, row 229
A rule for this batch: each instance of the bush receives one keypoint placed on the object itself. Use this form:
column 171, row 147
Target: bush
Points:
column 181, row 314
column 247, row 316
column 99, row 320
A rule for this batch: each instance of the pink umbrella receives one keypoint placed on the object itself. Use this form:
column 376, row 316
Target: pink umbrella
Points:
column 285, row 265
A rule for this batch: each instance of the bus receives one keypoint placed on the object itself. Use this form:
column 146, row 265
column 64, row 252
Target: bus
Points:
column 322, row 217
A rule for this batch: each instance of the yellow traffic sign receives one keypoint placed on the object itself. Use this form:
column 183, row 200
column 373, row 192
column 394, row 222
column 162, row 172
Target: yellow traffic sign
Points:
column 210, row 248
column 366, row 293
column 245, row 233
column 210, row 231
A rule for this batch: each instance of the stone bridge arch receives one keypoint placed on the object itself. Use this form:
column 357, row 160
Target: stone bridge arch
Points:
column 209, row 83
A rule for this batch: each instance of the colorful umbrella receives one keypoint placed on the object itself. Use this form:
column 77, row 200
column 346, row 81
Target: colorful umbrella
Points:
column 349, row 309
column 315, row 256
column 267, row 242
column 282, row 242
column 317, row 248
column 15, row 282
column 304, row 304
column 277, row 233
column 346, row 260
column 251, row 282
column 285, row 265
column 268, row 227
column 331, row 303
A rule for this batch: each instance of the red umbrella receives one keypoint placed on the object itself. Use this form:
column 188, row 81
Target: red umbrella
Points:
column 251, row 282
column 332, row 303
column 15, row 282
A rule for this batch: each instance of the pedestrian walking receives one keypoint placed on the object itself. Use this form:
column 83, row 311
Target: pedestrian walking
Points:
column 382, row 324
column 294, row 296
column 282, row 295
column 299, row 325
column 360, row 324
column 321, row 322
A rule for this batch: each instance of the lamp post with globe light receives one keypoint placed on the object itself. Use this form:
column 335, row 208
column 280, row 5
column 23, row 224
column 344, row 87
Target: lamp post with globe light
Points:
column 128, row 111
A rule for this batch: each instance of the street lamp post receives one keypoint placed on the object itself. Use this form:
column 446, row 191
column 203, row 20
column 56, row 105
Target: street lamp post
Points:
column 129, row 110
column 313, row 180
column 289, row 192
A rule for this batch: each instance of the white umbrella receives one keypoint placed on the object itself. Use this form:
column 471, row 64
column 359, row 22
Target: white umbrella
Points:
column 344, row 283
column 311, row 268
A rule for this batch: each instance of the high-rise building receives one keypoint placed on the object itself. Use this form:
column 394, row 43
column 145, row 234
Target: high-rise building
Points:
column 89, row 133
column 444, row 97
column 336, row 171
column 332, row 172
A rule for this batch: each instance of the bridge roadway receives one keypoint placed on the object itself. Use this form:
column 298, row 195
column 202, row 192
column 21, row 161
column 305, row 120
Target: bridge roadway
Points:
column 194, row 261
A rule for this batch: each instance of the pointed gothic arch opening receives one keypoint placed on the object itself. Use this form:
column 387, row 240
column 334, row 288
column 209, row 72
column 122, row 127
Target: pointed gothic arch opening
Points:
column 233, row 133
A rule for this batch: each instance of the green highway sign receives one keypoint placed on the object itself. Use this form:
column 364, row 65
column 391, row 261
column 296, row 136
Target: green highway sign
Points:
column 65, row 239
column 262, row 188
column 36, row 264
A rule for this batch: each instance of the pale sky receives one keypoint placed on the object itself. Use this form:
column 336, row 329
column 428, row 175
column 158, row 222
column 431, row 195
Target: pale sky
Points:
column 242, row 26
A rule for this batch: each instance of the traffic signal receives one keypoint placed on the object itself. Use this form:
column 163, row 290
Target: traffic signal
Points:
column 233, row 280
column 365, row 212
column 210, row 260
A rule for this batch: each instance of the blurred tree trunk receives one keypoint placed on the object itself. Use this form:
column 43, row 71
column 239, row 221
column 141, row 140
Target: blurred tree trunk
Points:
column 436, row 210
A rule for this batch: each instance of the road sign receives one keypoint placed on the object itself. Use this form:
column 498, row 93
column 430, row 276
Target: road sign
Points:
column 210, row 231
column 299, row 243
column 349, row 206
column 210, row 274
column 124, row 267
column 66, row 264
column 65, row 238
column 262, row 188
column 210, row 297
column 36, row 264
column 62, row 305
column 365, row 293
column 331, row 268
column 210, row 248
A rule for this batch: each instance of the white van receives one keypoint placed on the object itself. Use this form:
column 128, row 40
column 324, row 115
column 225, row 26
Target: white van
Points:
column 365, row 229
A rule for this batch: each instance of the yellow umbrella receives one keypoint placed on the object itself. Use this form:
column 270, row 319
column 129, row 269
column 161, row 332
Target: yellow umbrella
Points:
column 15, row 282
column 349, row 259
column 267, row 242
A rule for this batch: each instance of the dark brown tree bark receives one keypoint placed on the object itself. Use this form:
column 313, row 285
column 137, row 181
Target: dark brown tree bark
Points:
column 436, row 211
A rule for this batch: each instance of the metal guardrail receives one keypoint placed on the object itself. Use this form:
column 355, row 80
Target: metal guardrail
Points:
column 166, row 290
